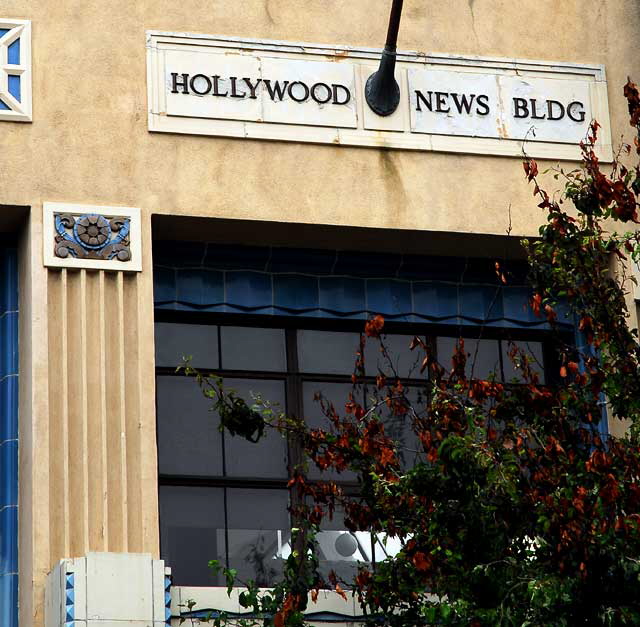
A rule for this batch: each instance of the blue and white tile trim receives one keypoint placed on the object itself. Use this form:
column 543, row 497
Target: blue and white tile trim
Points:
column 15, row 70
column 69, row 600
column 167, row 600
column 8, row 437
column 193, row 276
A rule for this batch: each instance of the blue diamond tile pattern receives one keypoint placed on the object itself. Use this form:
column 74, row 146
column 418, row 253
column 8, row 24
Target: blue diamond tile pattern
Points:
column 69, row 600
column 167, row 600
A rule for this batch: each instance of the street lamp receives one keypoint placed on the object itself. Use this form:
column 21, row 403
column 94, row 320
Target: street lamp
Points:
column 382, row 90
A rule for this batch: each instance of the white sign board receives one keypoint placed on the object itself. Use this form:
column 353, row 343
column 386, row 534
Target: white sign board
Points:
column 301, row 92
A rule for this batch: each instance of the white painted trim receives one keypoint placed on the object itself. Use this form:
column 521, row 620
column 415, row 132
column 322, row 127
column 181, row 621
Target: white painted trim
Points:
column 49, row 209
column 20, row 111
column 387, row 134
column 217, row 598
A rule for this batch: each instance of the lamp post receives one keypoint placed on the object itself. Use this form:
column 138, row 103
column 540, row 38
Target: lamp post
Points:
column 382, row 90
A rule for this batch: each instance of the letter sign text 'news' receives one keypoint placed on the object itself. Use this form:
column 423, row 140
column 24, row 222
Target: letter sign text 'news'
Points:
column 308, row 93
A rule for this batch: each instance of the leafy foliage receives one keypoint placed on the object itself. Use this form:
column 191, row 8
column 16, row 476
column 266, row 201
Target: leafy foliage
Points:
column 518, row 512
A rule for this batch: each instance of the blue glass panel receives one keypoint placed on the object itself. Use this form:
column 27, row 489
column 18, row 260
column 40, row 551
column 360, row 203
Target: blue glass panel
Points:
column 9, row 599
column 14, row 86
column 389, row 297
column 8, row 408
column 164, row 285
column 436, row 301
column 516, row 304
column 8, row 540
column 295, row 293
column 434, row 268
column 14, row 52
column 3, row 106
column 480, row 303
column 248, row 290
column 8, row 473
column 302, row 261
column 8, row 348
column 224, row 257
column 367, row 264
column 3, row 31
column 10, row 276
column 199, row 287
column 179, row 254
column 342, row 295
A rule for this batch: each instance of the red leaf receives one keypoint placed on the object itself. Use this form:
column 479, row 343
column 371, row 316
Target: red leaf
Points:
column 374, row 327
column 421, row 561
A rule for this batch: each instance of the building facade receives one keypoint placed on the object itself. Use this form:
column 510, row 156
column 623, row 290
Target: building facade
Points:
column 208, row 180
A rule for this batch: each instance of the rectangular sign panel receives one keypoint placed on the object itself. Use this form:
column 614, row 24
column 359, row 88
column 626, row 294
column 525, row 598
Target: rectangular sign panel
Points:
column 228, row 87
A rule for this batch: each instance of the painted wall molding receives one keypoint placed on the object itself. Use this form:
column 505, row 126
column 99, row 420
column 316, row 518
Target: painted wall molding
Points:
column 15, row 70
column 92, row 237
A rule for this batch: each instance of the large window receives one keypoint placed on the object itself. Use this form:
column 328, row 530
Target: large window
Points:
column 224, row 498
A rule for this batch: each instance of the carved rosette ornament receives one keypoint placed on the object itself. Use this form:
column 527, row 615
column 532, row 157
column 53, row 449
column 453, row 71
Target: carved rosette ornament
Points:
column 92, row 236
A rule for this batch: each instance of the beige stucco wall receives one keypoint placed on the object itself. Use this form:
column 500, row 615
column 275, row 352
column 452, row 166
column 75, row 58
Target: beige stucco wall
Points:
column 89, row 140
column 88, row 473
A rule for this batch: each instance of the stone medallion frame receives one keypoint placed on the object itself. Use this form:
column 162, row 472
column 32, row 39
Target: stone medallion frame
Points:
column 92, row 237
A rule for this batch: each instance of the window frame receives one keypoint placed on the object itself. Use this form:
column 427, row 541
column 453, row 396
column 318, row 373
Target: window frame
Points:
column 294, row 379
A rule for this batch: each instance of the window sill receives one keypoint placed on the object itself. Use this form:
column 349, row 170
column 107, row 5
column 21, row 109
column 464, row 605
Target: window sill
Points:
column 329, row 607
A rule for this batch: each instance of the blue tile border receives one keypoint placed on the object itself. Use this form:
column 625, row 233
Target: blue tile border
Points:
column 339, row 284
column 8, row 437
column 9, row 599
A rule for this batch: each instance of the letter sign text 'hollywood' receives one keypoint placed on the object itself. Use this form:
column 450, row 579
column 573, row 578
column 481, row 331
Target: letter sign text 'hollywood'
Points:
column 237, row 87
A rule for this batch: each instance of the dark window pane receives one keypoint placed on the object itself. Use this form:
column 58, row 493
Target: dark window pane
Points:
column 483, row 356
column 268, row 457
column 258, row 533
column 532, row 349
column 400, row 360
column 245, row 348
column 192, row 533
column 189, row 442
column 399, row 424
column 175, row 341
column 338, row 395
column 327, row 352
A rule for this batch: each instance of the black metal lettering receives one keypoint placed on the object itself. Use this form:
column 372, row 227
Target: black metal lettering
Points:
column 314, row 93
column 463, row 103
column 276, row 90
column 194, row 82
column 183, row 84
column 234, row 89
column 216, row 87
column 560, row 110
column 482, row 105
column 581, row 114
column 346, row 94
column 441, row 100
column 521, row 108
column 305, row 90
column 534, row 113
column 252, row 88
column 421, row 97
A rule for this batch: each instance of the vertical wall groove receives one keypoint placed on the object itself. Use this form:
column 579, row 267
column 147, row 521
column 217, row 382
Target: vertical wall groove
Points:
column 122, row 408
column 64, row 392
column 102, row 383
